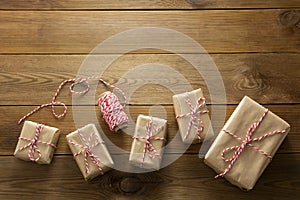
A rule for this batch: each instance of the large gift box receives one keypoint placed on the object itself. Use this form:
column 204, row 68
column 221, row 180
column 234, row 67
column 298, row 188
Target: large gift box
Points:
column 148, row 141
column 192, row 116
column 90, row 152
column 37, row 143
column 246, row 144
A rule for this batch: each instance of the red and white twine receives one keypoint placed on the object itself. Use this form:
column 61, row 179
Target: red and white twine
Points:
column 111, row 108
column 195, row 116
column 112, row 111
column 86, row 150
column 54, row 103
column 246, row 142
column 151, row 130
column 33, row 144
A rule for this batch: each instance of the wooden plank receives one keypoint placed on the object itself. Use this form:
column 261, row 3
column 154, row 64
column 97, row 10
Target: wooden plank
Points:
column 10, row 131
column 217, row 31
column 143, row 4
column 268, row 78
column 187, row 178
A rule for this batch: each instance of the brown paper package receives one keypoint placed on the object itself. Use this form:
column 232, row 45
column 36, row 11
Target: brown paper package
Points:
column 138, row 145
column 100, row 151
column 48, row 134
column 250, row 164
column 181, row 107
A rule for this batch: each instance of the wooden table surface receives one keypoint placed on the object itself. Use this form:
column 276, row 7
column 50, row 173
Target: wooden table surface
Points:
column 255, row 45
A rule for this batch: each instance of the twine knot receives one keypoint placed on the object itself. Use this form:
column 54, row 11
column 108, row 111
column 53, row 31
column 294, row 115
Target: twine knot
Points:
column 246, row 142
column 33, row 144
column 86, row 150
column 151, row 130
column 195, row 120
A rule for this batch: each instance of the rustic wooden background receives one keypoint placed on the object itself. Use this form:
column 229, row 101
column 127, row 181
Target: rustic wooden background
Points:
column 255, row 44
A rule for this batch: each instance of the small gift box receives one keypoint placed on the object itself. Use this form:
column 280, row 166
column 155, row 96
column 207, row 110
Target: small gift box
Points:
column 90, row 152
column 148, row 140
column 192, row 116
column 37, row 143
column 246, row 144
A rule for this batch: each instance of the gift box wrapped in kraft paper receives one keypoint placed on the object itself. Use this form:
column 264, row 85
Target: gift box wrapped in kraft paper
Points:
column 148, row 141
column 246, row 144
column 90, row 152
column 37, row 143
column 192, row 116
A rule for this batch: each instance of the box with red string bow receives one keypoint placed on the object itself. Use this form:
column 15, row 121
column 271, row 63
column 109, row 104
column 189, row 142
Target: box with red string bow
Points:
column 246, row 144
column 37, row 143
column 148, row 141
column 90, row 152
column 192, row 116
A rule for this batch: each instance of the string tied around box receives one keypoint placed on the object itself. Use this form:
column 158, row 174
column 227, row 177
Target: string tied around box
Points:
column 246, row 142
column 33, row 144
column 110, row 106
column 151, row 130
column 195, row 120
column 86, row 150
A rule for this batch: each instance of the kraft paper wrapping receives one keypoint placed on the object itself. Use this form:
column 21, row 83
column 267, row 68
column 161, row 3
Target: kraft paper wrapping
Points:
column 250, row 164
column 100, row 151
column 181, row 107
column 137, row 148
column 48, row 134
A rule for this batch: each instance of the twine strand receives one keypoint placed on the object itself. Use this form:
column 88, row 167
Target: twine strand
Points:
column 195, row 121
column 110, row 106
column 246, row 142
column 86, row 150
column 33, row 144
column 151, row 130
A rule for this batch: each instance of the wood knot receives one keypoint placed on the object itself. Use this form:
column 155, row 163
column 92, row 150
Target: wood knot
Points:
column 251, row 81
column 131, row 184
column 290, row 18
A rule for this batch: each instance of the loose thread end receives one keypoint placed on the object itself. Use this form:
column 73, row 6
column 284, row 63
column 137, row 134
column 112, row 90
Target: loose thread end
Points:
column 20, row 121
column 218, row 176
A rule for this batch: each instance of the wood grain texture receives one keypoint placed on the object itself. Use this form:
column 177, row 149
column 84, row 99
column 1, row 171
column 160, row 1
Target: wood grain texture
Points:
column 10, row 131
column 255, row 45
column 143, row 4
column 189, row 175
column 267, row 78
column 79, row 32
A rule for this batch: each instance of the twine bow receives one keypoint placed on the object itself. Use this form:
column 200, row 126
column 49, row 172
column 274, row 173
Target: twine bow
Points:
column 195, row 120
column 151, row 131
column 32, row 145
column 246, row 142
column 86, row 150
